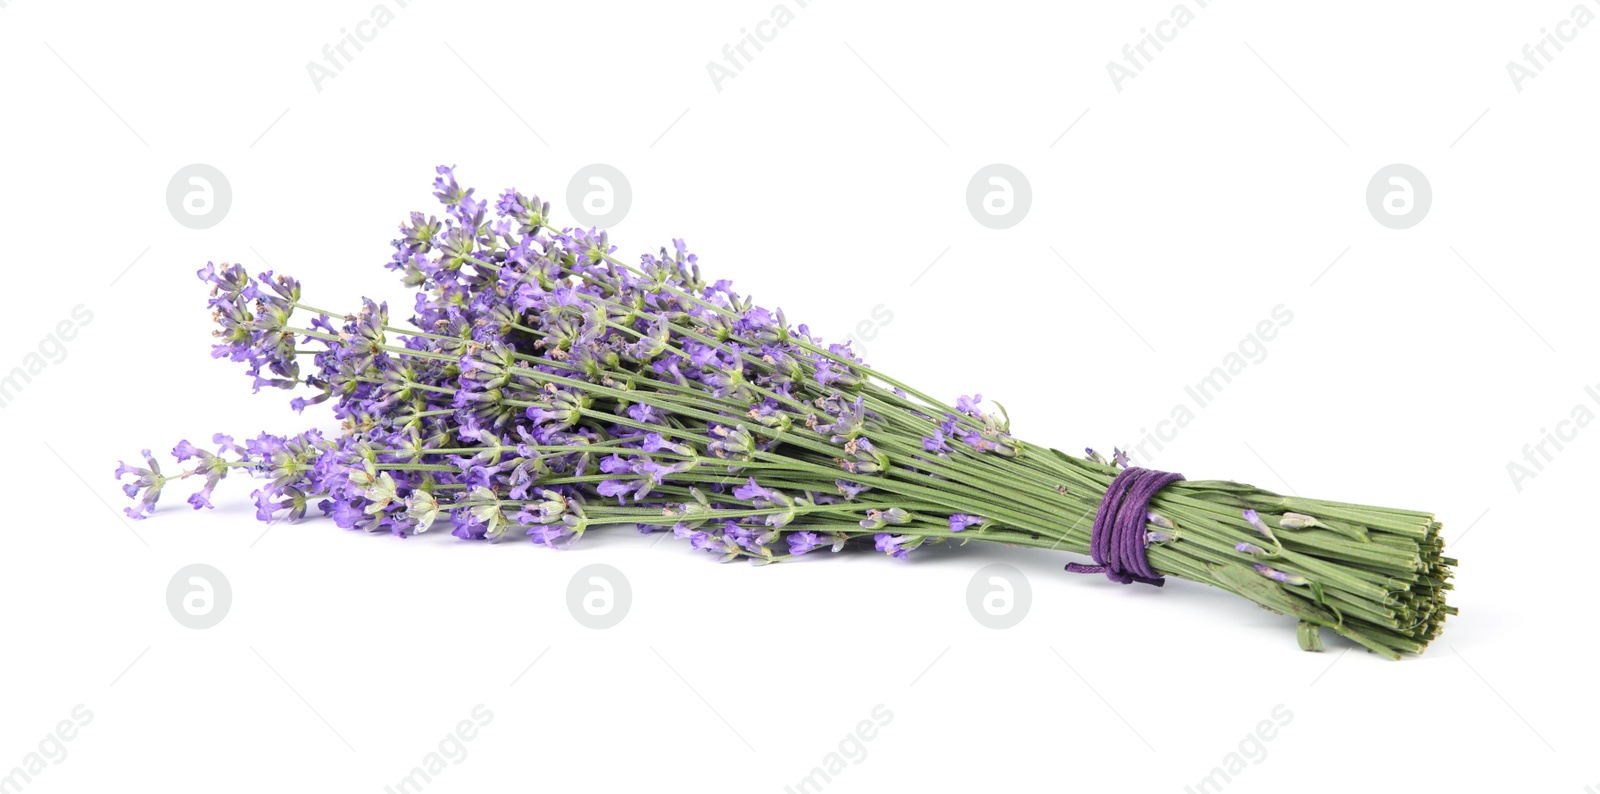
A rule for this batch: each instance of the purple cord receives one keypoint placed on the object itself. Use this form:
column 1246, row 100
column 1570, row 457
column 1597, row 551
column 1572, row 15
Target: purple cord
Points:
column 1117, row 542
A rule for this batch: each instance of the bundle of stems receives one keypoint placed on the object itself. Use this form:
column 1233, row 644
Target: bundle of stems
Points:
column 544, row 387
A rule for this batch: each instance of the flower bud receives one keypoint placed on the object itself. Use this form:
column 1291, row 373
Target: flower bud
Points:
column 1280, row 576
column 1261, row 526
column 1297, row 521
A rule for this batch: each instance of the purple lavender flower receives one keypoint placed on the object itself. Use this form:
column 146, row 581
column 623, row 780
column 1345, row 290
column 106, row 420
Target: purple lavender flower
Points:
column 293, row 503
column 893, row 545
column 751, row 492
column 802, row 542
column 445, row 188
column 550, row 535
column 960, row 521
column 641, row 412
column 698, row 540
column 146, row 486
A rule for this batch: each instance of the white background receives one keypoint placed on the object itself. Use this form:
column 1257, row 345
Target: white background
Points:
column 1221, row 182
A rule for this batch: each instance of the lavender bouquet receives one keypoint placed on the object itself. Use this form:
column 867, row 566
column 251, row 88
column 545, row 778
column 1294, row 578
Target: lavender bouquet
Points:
column 545, row 387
